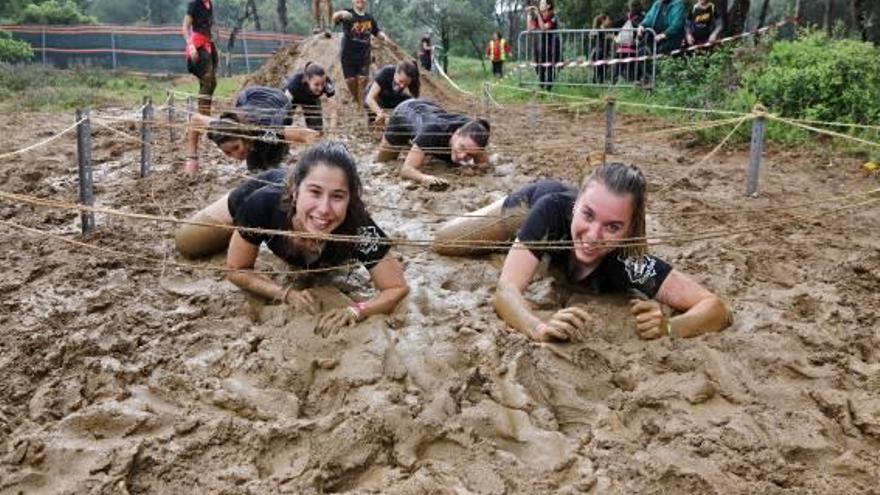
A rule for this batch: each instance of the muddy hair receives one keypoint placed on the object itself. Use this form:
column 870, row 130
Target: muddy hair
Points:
column 478, row 130
column 625, row 179
column 262, row 155
column 331, row 154
column 411, row 70
column 313, row 70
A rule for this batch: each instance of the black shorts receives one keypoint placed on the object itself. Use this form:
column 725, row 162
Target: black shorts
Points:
column 530, row 194
column 497, row 67
column 206, row 63
column 356, row 67
column 238, row 195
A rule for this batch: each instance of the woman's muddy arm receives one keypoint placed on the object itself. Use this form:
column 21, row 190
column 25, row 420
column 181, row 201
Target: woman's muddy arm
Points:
column 389, row 281
column 241, row 256
column 372, row 100
column 301, row 135
column 508, row 301
column 702, row 311
column 414, row 161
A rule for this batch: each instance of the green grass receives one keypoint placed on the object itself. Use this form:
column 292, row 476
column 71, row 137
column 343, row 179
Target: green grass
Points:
column 470, row 75
column 35, row 88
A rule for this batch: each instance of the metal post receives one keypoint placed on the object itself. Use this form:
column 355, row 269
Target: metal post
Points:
column 113, row 48
column 609, row 125
column 247, row 60
column 757, row 150
column 44, row 46
column 171, row 136
column 84, row 163
column 146, row 136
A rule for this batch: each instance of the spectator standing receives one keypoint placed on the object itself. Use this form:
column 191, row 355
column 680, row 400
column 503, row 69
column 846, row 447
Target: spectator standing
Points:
column 626, row 45
column 426, row 52
column 547, row 47
column 498, row 50
column 704, row 23
column 667, row 19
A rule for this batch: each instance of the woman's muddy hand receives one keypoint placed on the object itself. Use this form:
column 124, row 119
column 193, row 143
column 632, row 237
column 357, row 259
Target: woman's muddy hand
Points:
column 334, row 320
column 301, row 300
column 563, row 325
column 434, row 182
column 650, row 321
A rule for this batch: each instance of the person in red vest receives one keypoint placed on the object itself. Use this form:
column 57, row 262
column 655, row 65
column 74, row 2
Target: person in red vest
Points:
column 497, row 51
column 201, row 54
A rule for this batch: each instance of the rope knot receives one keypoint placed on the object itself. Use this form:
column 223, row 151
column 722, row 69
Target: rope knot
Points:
column 759, row 110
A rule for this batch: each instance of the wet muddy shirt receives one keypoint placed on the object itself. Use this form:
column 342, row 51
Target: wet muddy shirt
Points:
column 265, row 107
column 389, row 97
column 202, row 14
column 261, row 209
column 300, row 93
column 550, row 220
column 426, row 125
column 356, row 35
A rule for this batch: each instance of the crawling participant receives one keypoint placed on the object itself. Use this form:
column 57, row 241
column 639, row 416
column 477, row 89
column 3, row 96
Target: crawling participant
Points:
column 321, row 195
column 304, row 88
column 429, row 130
column 257, row 131
column 608, row 210
column 393, row 85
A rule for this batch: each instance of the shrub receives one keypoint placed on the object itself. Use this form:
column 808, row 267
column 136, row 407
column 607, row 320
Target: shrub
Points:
column 54, row 12
column 14, row 51
column 820, row 78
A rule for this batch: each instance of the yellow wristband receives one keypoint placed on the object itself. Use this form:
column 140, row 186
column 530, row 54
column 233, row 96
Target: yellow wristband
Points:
column 669, row 332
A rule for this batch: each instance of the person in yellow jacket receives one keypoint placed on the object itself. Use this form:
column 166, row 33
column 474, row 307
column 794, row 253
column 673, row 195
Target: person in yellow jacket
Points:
column 497, row 51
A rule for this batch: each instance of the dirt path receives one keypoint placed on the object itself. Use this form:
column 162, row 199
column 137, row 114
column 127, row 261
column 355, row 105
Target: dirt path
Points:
column 116, row 376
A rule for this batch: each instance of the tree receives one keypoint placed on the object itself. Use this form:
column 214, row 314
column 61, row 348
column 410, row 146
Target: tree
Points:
column 738, row 15
column 282, row 15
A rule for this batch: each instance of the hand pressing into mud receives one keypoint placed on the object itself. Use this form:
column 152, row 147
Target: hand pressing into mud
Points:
column 651, row 323
column 301, row 300
column 566, row 324
column 334, row 320
column 435, row 183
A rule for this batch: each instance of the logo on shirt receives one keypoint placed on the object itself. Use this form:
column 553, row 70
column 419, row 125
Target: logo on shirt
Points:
column 640, row 269
column 369, row 239
column 269, row 137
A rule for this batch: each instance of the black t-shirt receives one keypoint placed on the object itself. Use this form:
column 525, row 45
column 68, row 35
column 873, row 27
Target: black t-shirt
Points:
column 356, row 35
column 426, row 125
column 703, row 21
column 261, row 209
column 550, row 220
column 300, row 93
column 202, row 16
column 265, row 107
column 388, row 96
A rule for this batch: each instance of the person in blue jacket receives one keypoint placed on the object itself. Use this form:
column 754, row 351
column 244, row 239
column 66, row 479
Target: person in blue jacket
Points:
column 667, row 19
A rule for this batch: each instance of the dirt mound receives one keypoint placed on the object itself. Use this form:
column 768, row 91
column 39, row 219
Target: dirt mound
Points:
column 325, row 51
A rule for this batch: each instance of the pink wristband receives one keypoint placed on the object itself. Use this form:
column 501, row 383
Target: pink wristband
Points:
column 358, row 309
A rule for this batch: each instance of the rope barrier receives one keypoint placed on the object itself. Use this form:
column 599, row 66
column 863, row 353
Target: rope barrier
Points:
column 429, row 243
column 43, row 142
column 166, row 262
column 823, row 131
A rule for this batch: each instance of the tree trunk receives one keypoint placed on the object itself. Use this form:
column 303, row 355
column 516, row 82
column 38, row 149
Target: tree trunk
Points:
column 826, row 20
column 860, row 21
column 762, row 20
column 282, row 15
column 799, row 11
column 254, row 14
column 478, row 50
column 739, row 13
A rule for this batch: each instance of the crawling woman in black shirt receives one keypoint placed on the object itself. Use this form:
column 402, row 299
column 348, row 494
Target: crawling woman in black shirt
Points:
column 320, row 196
column 425, row 129
column 601, row 231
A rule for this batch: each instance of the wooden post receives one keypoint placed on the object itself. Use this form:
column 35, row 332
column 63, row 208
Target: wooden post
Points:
column 532, row 113
column 757, row 150
column 146, row 136
column 171, row 136
column 609, row 125
column 487, row 105
column 113, row 48
column 84, row 163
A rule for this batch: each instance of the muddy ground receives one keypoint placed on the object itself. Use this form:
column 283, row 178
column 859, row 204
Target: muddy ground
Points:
column 117, row 375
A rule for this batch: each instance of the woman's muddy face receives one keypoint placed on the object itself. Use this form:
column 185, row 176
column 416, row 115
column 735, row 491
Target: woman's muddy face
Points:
column 236, row 148
column 316, row 85
column 600, row 216
column 401, row 81
column 322, row 199
column 463, row 150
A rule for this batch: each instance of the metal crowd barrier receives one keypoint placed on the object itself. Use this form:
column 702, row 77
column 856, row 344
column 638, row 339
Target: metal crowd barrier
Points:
column 586, row 57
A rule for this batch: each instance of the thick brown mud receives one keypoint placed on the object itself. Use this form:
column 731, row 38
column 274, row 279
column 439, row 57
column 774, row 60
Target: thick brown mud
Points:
column 120, row 376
